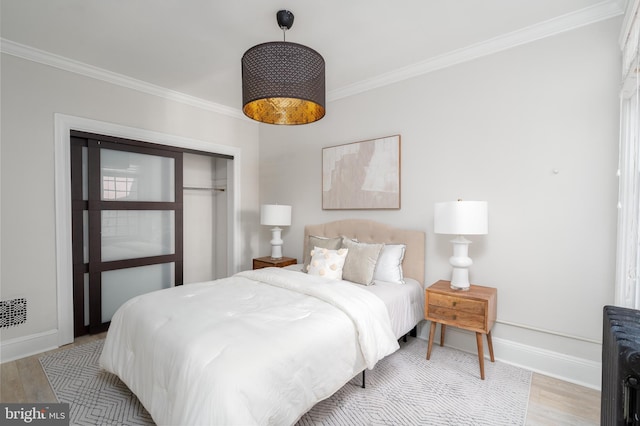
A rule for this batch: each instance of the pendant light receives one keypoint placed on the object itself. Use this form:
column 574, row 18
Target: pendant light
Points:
column 283, row 82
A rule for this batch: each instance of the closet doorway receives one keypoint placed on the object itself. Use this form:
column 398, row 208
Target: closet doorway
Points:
column 206, row 207
column 128, row 223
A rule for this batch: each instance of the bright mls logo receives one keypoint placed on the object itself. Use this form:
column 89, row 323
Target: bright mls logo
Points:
column 36, row 414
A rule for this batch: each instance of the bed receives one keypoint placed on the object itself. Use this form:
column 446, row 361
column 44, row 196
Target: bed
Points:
column 262, row 347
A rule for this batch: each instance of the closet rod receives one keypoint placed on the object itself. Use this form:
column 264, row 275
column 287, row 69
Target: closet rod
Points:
column 204, row 189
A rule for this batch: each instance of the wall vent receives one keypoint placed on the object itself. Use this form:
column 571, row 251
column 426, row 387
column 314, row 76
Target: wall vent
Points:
column 13, row 312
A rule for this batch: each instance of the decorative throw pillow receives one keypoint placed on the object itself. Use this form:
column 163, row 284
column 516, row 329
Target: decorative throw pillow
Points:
column 327, row 263
column 389, row 266
column 361, row 261
column 322, row 242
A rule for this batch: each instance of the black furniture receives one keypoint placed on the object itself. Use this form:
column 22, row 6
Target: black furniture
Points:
column 620, row 397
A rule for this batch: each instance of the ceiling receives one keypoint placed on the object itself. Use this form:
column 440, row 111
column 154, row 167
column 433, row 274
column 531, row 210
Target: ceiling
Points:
column 194, row 46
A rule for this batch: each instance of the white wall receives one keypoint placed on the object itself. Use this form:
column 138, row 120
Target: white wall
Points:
column 31, row 94
column 493, row 129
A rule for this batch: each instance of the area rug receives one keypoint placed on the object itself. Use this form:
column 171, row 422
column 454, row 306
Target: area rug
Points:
column 403, row 389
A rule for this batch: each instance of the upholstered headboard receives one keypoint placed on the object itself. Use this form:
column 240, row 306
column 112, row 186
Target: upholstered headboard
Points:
column 368, row 231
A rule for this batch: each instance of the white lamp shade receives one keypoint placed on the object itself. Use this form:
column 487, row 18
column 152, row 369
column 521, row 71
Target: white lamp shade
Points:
column 461, row 218
column 275, row 215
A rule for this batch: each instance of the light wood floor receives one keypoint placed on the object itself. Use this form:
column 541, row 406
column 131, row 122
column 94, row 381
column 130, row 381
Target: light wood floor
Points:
column 551, row 401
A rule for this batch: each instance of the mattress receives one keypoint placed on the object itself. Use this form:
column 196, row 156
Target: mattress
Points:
column 404, row 302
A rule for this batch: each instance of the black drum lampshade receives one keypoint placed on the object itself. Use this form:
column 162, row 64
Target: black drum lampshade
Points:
column 283, row 82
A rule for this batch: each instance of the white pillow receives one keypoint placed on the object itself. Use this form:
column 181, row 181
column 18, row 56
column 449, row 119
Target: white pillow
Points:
column 389, row 266
column 327, row 263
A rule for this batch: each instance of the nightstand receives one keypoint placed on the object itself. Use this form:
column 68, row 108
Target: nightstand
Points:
column 473, row 309
column 267, row 262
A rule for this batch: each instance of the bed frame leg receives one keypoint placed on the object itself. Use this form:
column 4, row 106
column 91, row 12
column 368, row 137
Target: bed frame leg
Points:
column 363, row 379
column 414, row 332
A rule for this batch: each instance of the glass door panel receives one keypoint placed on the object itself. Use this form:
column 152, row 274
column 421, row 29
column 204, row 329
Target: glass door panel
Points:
column 85, row 236
column 129, row 234
column 85, row 173
column 130, row 176
column 86, row 299
column 120, row 285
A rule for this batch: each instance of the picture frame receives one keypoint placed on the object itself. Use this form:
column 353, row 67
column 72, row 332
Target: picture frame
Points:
column 362, row 175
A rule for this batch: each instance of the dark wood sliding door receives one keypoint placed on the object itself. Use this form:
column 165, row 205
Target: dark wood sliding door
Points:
column 127, row 224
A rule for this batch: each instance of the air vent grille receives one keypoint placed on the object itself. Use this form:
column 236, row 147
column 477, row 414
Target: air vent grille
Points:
column 13, row 312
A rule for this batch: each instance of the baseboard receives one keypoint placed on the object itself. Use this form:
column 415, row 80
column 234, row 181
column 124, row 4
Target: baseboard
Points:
column 569, row 368
column 583, row 372
column 28, row 345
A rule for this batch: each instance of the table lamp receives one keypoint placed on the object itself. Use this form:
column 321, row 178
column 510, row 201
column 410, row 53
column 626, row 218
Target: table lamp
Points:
column 461, row 218
column 275, row 215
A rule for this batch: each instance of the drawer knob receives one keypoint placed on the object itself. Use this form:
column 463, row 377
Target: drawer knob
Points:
column 455, row 317
column 454, row 303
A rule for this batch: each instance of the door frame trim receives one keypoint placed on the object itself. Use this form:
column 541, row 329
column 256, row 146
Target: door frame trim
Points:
column 63, row 125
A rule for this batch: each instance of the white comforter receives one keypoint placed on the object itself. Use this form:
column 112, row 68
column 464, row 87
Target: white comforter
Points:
column 250, row 349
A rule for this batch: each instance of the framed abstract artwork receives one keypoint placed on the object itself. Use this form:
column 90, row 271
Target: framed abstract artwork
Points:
column 362, row 175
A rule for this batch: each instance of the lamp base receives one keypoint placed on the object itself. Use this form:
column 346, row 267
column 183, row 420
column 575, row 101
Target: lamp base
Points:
column 276, row 243
column 460, row 262
column 459, row 289
column 460, row 283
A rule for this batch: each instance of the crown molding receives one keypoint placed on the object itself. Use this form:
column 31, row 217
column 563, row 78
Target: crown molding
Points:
column 46, row 58
column 598, row 12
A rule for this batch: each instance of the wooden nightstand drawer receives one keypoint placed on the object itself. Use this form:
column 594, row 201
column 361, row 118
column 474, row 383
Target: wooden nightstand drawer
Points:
column 455, row 317
column 457, row 303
